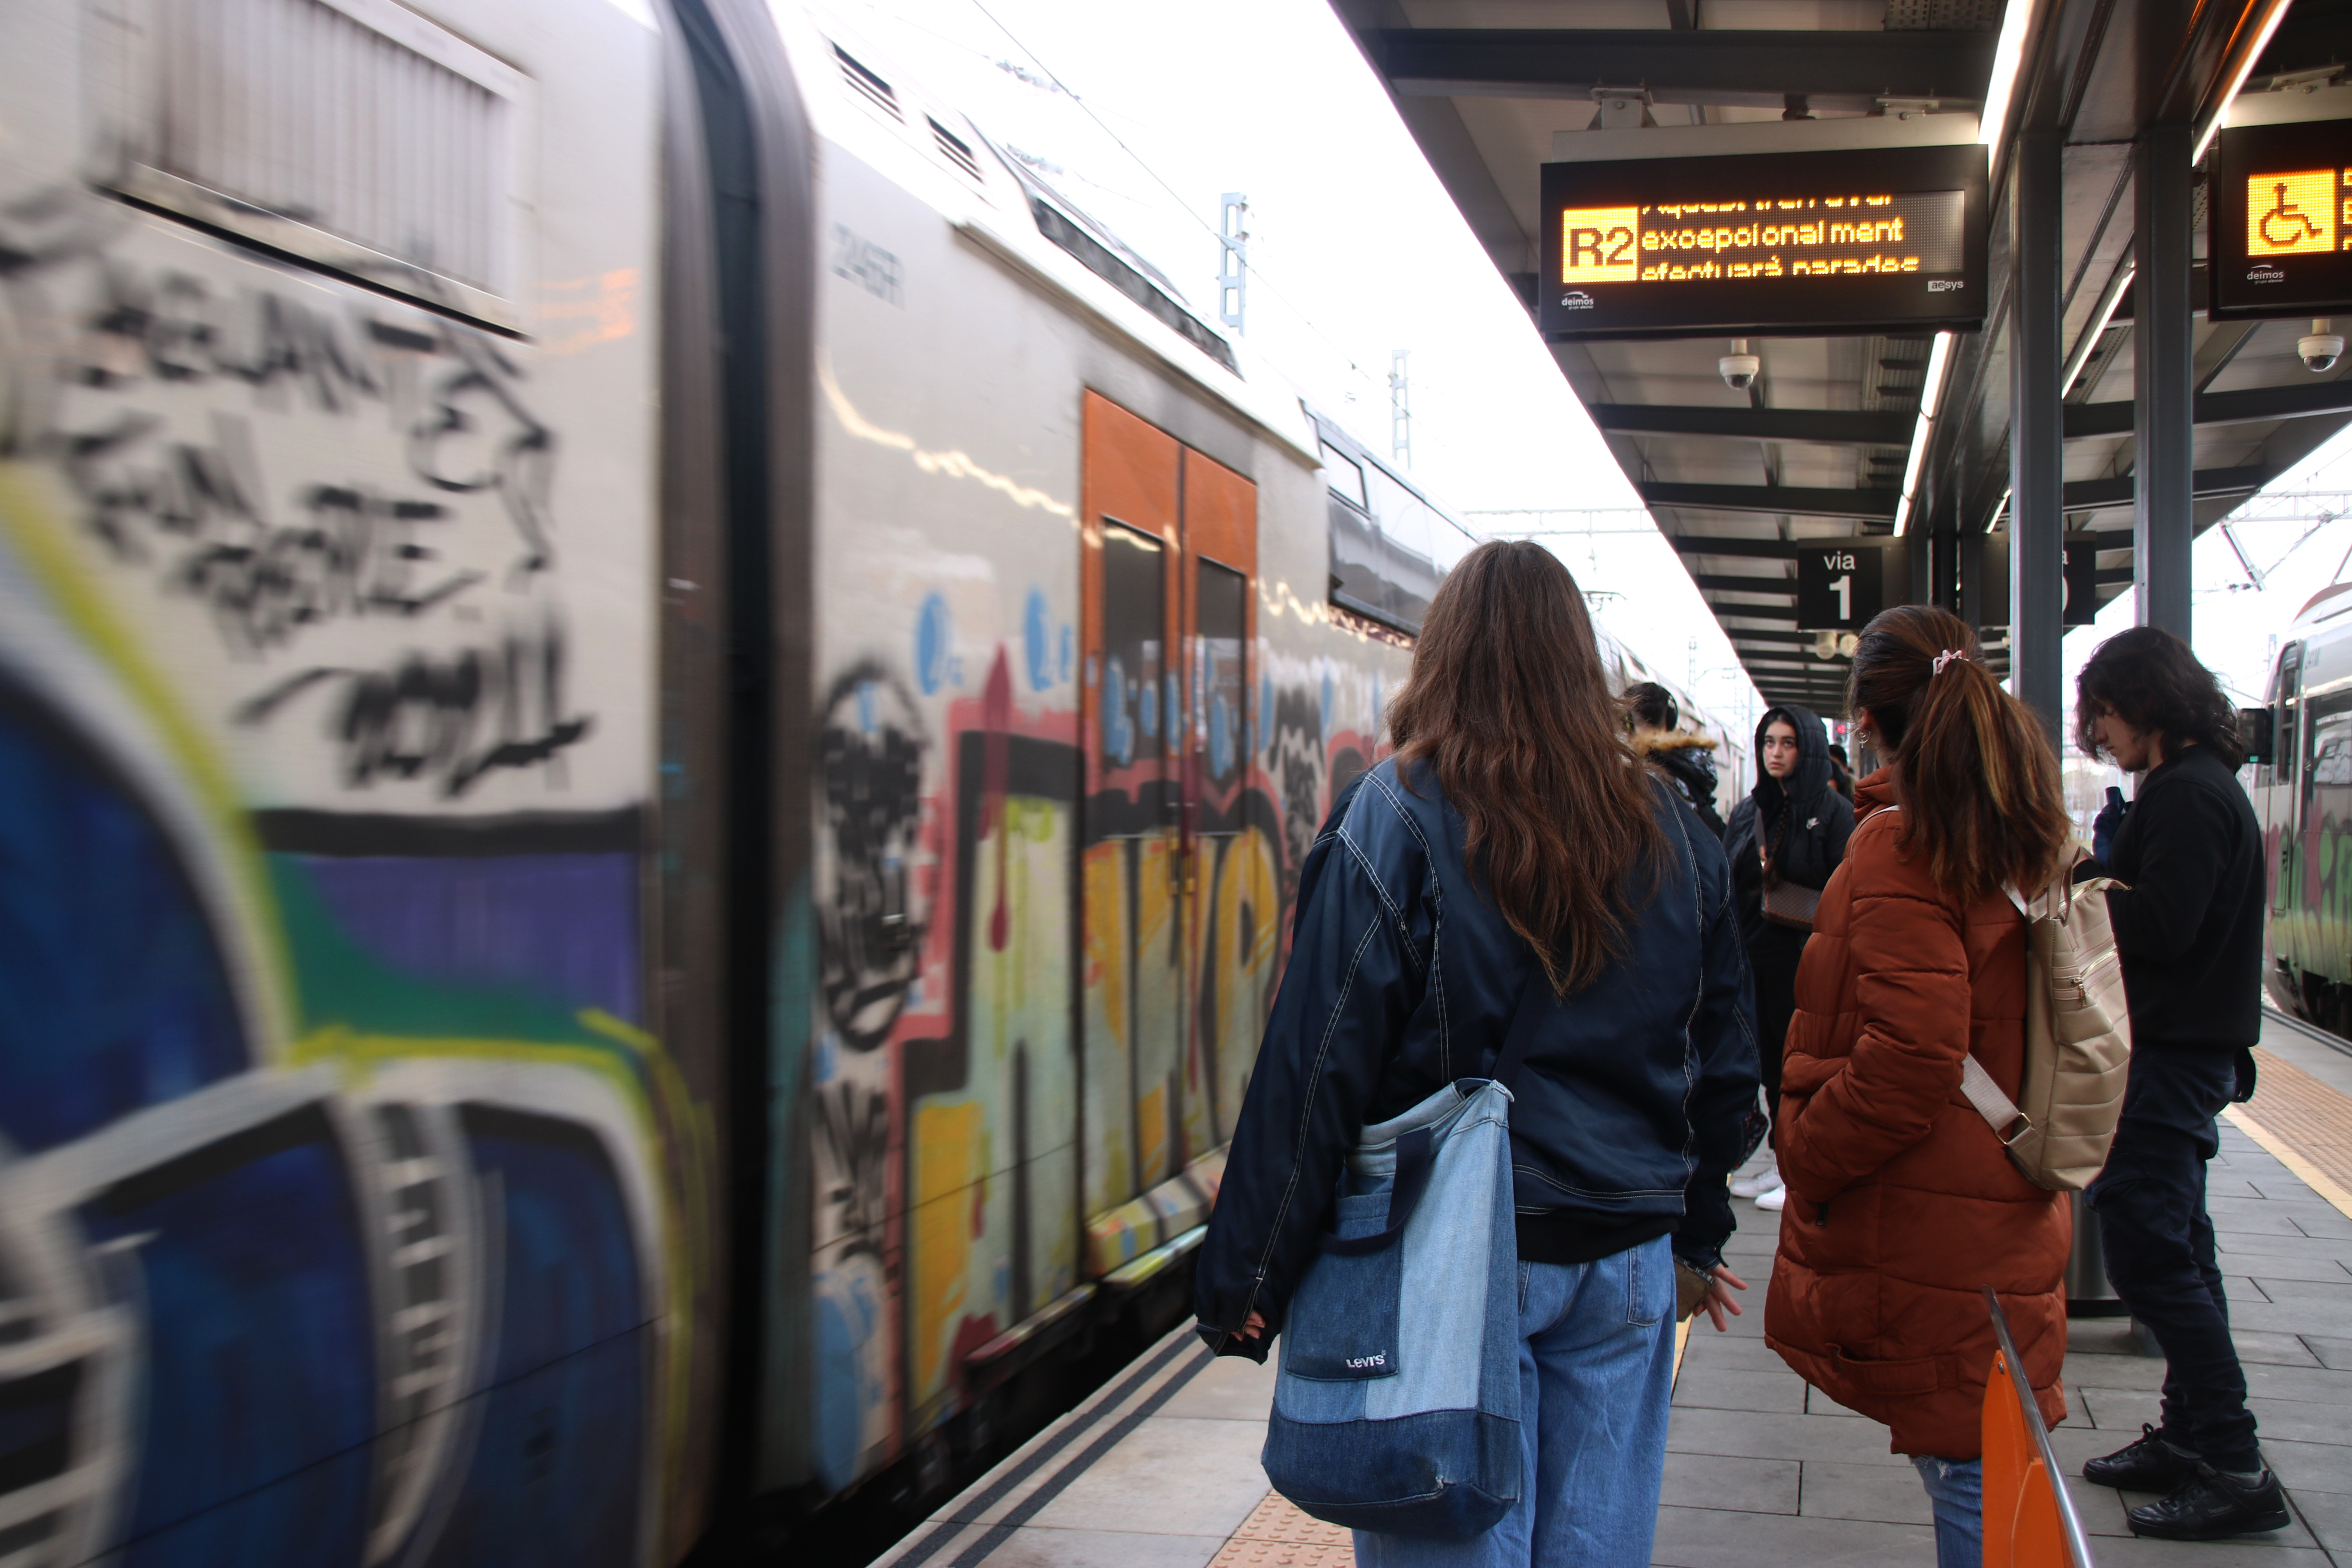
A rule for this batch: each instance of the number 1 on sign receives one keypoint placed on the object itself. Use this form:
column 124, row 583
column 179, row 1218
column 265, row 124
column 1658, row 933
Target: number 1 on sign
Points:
column 1844, row 588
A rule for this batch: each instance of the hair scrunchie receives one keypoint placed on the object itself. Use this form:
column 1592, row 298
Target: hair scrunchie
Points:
column 1946, row 657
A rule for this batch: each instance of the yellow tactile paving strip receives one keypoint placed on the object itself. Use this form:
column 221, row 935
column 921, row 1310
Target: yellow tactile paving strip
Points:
column 1277, row 1535
column 2303, row 1122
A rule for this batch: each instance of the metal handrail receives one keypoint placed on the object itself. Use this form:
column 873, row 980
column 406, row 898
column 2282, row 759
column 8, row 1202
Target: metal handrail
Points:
column 2078, row 1543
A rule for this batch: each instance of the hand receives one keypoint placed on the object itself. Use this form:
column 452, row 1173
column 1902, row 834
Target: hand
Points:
column 1717, row 1300
column 1256, row 1326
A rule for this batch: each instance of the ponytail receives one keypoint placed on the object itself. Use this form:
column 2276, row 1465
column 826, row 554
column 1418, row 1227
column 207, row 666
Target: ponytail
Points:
column 1978, row 776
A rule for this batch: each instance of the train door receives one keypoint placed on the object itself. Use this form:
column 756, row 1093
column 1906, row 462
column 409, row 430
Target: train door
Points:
column 1131, row 991
column 1229, row 869
column 2286, row 793
column 1178, row 886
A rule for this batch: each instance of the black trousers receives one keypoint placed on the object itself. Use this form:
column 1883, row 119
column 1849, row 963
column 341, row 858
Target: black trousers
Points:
column 1772, row 960
column 2150, row 1200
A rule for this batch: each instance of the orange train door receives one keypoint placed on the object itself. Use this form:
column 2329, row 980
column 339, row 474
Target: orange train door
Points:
column 1169, row 554
column 1130, row 710
column 1230, row 875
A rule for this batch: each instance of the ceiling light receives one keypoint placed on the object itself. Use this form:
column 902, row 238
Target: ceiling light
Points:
column 2108, row 304
column 2008, row 56
column 1930, row 395
column 2244, row 69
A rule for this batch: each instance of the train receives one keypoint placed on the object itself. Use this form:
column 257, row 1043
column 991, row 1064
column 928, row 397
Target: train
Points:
column 657, row 720
column 2302, row 788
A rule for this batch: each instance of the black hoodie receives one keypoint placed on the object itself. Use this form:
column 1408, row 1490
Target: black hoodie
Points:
column 1804, row 821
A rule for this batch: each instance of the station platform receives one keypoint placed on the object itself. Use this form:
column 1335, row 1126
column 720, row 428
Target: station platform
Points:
column 1160, row 1468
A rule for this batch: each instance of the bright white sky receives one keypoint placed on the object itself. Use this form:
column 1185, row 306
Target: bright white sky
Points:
column 1355, row 251
column 1145, row 115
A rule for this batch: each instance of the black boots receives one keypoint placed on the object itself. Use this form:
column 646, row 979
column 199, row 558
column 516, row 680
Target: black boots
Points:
column 2147, row 1465
column 2211, row 1506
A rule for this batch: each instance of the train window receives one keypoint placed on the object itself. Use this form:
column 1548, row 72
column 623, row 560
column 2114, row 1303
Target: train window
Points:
column 2287, row 686
column 2331, row 744
column 1135, row 620
column 352, row 134
column 1345, row 476
column 1222, row 615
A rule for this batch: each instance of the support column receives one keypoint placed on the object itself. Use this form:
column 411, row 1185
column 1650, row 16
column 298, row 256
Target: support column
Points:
column 2163, row 379
column 2037, row 434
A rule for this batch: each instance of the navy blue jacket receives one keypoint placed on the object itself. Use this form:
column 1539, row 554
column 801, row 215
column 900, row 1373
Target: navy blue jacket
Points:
column 1638, row 1097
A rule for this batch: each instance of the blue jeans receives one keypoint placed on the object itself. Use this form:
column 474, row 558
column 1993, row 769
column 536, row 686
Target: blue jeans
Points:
column 1956, row 1487
column 1596, row 1375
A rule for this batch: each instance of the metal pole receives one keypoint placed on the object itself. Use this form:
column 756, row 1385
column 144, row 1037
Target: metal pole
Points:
column 2163, row 360
column 2037, row 473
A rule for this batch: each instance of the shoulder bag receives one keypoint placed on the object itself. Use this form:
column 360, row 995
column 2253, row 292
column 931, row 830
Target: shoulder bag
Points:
column 1397, row 1410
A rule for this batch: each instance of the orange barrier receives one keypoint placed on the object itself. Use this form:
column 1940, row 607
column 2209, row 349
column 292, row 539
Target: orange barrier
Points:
column 2029, row 1519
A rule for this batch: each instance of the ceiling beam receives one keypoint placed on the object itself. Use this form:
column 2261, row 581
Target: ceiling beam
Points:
column 1714, row 582
column 1840, row 427
column 2117, row 491
column 1701, row 65
column 1868, row 505
column 1762, row 548
column 2252, row 405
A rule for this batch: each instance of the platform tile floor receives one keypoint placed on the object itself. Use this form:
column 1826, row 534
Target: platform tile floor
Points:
column 1160, row 1470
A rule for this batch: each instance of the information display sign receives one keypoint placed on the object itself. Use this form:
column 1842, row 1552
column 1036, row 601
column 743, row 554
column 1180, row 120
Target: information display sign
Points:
column 2279, row 211
column 1807, row 244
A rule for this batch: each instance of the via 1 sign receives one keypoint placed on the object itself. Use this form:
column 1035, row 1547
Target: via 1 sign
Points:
column 1839, row 586
column 2280, row 208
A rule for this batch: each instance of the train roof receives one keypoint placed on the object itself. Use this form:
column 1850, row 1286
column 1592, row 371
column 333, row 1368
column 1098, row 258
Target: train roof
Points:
column 2325, row 606
column 861, row 97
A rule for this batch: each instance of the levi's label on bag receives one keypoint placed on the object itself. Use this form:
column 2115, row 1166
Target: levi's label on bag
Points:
column 1343, row 1322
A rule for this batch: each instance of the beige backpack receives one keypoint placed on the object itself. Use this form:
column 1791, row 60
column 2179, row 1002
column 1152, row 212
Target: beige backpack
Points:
column 2077, row 1038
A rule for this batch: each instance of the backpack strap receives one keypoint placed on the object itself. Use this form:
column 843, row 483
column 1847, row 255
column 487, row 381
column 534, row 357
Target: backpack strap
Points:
column 1999, row 1112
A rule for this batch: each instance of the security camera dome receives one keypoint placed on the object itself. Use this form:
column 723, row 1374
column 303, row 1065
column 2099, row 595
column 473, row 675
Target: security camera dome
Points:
column 1739, row 371
column 2319, row 350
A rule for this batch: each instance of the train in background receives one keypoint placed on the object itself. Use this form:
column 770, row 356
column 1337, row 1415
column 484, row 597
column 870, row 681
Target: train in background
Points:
column 2303, row 792
column 657, row 718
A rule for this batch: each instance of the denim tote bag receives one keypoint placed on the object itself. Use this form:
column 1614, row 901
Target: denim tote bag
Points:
column 1397, row 1405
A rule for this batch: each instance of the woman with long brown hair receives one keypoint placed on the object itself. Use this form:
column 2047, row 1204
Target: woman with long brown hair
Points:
column 1903, row 1204
column 1514, row 854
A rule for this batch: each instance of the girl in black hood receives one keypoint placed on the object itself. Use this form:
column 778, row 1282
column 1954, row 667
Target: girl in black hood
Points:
column 1791, row 829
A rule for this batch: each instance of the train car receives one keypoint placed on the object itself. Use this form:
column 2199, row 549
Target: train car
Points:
column 2303, row 792
column 1390, row 544
column 657, row 720
column 656, row 724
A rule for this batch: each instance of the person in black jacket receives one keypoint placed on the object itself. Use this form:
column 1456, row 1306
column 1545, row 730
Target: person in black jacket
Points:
column 2188, row 928
column 1687, row 760
column 1792, row 829
column 1514, row 853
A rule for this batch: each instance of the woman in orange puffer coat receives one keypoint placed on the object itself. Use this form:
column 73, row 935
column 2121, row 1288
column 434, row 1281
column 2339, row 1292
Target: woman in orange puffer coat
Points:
column 1901, row 1204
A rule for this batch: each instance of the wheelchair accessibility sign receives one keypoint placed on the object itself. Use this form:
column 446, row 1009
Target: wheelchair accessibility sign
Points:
column 2291, row 214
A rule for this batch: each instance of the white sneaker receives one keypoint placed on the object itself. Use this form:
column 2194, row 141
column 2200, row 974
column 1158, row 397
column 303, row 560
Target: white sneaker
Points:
column 1774, row 1201
column 1762, row 1182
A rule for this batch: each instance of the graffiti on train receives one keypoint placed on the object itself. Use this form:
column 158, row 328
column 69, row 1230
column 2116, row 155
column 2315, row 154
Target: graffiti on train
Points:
column 2310, row 922
column 354, row 1216
column 451, row 717
column 958, row 1177
column 346, row 492
column 870, row 757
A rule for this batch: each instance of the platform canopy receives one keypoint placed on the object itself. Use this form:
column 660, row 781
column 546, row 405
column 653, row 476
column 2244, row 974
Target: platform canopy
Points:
column 1819, row 448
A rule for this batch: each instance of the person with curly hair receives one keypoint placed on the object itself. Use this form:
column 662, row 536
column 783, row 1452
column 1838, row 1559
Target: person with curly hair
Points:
column 2188, row 928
